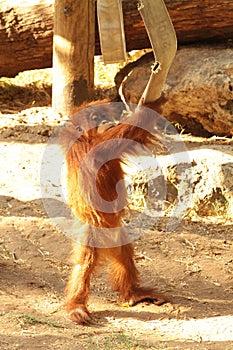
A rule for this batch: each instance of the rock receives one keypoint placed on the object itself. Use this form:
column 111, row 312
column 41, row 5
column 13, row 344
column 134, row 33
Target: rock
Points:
column 197, row 184
column 199, row 89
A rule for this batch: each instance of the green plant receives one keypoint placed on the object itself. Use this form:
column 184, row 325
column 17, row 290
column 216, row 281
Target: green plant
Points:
column 29, row 319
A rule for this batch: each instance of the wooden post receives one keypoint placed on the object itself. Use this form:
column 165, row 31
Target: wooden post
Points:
column 73, row 54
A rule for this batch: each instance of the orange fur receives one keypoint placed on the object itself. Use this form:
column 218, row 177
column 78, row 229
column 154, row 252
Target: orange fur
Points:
column 89, row 139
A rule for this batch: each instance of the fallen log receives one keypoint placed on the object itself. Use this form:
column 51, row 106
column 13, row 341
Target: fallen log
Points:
column 26, row 29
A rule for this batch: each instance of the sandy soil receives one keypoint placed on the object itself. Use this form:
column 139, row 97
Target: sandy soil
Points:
column 193, row 265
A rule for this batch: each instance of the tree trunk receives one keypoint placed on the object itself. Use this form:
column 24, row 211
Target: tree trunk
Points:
column 26, row 36
column 73, row 54
column 26, row 31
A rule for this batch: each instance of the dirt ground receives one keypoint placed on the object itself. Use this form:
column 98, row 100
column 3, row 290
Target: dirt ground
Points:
column 192, row 265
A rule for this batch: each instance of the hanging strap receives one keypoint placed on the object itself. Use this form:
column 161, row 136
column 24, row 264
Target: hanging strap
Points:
column 111, row 30
column 164, row 44
column 159, row 29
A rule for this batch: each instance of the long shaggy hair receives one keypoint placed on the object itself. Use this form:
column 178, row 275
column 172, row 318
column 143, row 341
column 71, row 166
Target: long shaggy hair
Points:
column 98, row 196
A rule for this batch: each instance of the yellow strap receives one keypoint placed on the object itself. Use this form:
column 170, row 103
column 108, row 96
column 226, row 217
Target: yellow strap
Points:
column 111, row 30
column 163, row 41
